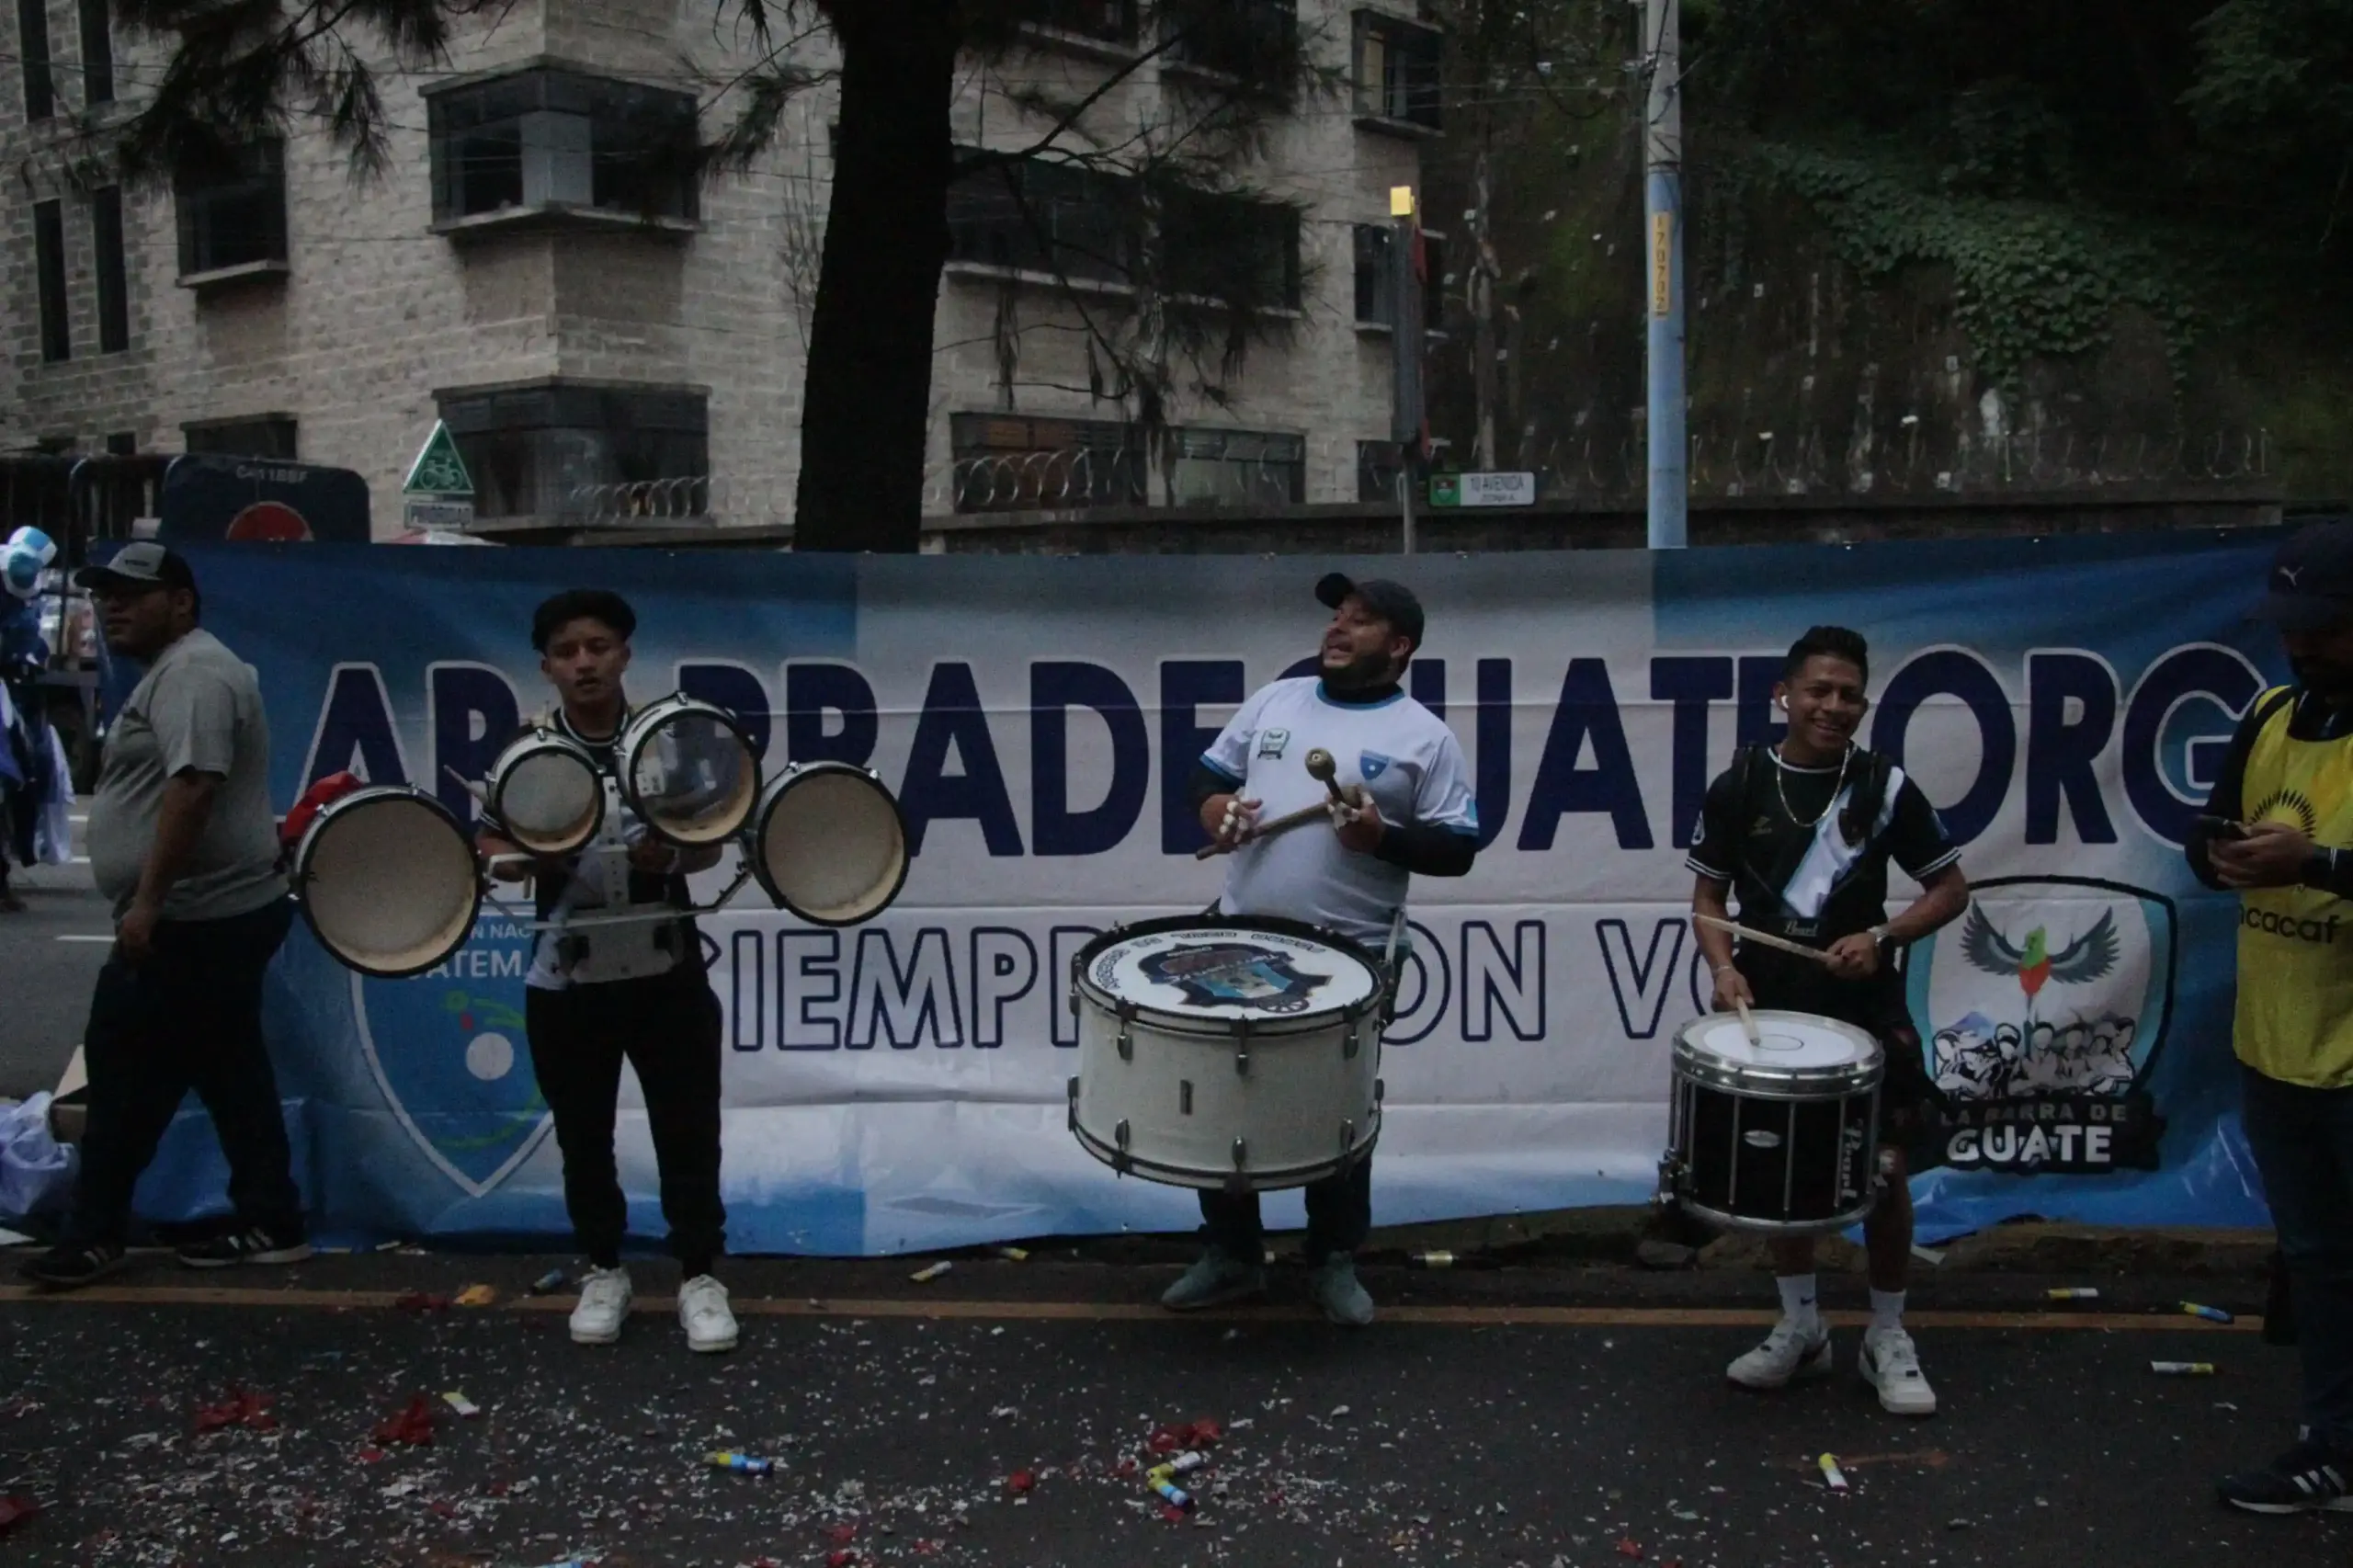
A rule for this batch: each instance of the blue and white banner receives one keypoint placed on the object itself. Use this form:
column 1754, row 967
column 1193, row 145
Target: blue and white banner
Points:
column 2065, row 703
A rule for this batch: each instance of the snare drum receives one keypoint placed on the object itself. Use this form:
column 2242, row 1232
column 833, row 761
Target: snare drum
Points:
column 687, row 770
column 1778, row 1136
column 1226, row 1053
column 387, row 881
column 829, row 842
column 547, row 791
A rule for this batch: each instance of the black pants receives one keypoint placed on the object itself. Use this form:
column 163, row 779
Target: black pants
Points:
column 1339, row 1216
column 188, row 1016
column 668, row 1027
column 2303, row 1143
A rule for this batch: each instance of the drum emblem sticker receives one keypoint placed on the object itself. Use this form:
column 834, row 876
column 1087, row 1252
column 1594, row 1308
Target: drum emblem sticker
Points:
column 1234, row 975
column 2041, row 1011
column 448, row 1050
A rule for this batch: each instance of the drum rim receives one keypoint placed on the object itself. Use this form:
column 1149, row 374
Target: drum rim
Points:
column 1226, row 1029
column 544, row 737
column 1781, row 1083
column 344, row 806
column 1730, row 1222
column 1276, row 1180
column 1825, row 1080
column 651, row 717
column 775, row 789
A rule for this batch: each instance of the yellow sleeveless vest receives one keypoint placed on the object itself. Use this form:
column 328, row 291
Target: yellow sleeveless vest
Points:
column 2295, row 1000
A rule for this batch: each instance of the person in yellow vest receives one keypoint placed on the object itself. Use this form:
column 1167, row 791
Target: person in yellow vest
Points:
column 2279, row 831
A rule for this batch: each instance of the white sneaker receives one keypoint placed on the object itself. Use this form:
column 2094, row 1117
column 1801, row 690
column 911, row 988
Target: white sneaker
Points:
column 1791, row 1352
column 703, row 1313
column 1891, row 1365
column 603, row 1306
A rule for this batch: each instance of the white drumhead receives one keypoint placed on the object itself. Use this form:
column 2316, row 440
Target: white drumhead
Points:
column 830, row 845
column 688, row 771
column 1222, row 972
column 388, row 881
column 1785, row 1040
column 546, row 793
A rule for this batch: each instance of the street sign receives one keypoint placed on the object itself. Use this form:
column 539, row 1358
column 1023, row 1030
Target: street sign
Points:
column 439, row 470
column 438, row 514
column 1482, row 489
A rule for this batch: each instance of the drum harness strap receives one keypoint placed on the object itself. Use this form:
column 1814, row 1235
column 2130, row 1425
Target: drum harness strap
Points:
column 1866, row 798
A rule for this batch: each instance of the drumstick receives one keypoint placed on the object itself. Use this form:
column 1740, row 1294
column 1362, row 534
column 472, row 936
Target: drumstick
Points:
column 1765, row 939
column 1321, row 768
column 1748, row 1022
column 1299, row 818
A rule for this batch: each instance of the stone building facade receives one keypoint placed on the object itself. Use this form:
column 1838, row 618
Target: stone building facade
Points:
column 603, row 337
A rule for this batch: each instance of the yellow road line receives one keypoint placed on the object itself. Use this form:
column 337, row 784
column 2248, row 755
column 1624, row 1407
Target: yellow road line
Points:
column 1130, row 1311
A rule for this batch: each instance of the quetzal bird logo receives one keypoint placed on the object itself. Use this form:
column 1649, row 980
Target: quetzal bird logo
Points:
column 2089, row 957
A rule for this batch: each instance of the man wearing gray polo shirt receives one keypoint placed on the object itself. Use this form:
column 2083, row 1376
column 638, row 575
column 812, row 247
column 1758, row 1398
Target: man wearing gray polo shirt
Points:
column 184, row 845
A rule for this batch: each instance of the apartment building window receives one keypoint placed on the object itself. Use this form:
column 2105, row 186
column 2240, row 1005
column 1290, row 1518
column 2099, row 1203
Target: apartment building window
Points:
column 570, row 449
column 1237, row 468
column 1375, row 285
column 549, row 138
column 233, row 213
column 255, row 436
column 113, row 280
column 48, row 268
column 1378, row 464
column 1007, row 462
column 1397, row 71
column 97, row 54
column 1249, row 40
column 1229, row 248
column 32, row 54
column 1033, row 215
column 1105, row 21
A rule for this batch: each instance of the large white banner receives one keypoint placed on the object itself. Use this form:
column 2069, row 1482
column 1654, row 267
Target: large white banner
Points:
column 903, row 1085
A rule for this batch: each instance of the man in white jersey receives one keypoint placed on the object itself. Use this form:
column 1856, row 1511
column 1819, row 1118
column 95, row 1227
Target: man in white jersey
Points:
column 1415, row 814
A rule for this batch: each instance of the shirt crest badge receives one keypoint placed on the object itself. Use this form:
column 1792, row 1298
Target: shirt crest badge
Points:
column 1272, row 741
column 1371, row 766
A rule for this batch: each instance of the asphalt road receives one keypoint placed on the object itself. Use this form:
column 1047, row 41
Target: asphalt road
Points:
column 49, row 956
column 904, row 1425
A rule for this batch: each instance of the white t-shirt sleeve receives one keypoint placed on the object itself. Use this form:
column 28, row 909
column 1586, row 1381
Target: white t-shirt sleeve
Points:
column 1230, row 752
column 1445, row 799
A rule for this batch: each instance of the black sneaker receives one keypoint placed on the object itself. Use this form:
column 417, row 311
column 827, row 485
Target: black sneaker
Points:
column 251, row 1245
column 2307, row 1477
column 75, row 1263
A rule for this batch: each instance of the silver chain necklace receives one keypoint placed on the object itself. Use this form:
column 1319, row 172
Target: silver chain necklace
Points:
column 1781, row 788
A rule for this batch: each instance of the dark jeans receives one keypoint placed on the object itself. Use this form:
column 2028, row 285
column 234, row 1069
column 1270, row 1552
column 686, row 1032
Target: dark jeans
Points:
column 668, row 1027
column 1339, row 1216
column 187, row 1017
column 2303, row 1142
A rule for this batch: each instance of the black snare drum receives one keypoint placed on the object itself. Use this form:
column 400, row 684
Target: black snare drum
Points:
column 1778, row 1135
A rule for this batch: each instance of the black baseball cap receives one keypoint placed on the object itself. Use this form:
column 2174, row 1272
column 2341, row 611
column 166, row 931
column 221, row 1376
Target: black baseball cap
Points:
column 141, row 564
column 1392, row 602
column 2312, row 580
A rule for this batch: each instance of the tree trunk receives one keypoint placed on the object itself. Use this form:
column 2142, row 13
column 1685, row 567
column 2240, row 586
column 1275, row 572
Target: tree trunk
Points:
column 865, row 410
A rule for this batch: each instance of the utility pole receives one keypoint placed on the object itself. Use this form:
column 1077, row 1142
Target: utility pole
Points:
column 1408, row 426
column 1663, row 208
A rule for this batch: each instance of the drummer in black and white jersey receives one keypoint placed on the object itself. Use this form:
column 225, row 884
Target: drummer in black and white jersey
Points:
column 658, row 1012
column 1416, row 815
column 1802, row 834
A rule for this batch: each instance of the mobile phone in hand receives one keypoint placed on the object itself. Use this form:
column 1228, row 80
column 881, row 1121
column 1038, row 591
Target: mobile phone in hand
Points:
column 2222, row 825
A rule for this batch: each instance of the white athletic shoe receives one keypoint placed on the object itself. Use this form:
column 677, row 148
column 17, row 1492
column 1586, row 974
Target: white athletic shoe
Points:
column 703, row 1312
column 1790, row 1354
column 1891, row 1365
column 604, row 1306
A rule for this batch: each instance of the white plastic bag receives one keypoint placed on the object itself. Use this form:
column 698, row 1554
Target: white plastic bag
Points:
column 36, row 1171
